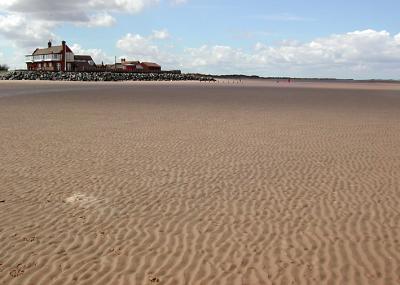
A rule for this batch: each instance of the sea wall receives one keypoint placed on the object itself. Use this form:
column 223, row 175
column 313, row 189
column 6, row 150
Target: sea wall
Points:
column 100, row 76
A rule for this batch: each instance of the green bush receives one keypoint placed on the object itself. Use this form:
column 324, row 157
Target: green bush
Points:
column 3, row 67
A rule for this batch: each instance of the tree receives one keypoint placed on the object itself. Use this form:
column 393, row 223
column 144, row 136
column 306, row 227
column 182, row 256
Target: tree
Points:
column 3, row 67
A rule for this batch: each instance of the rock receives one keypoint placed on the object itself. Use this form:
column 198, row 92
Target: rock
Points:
column 154, row 279
column 101, row 76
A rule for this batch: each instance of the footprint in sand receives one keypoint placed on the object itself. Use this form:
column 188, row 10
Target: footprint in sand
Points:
column 18, row 271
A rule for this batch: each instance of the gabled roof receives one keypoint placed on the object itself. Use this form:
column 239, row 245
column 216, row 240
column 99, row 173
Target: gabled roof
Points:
column 130, row 62
column 50, row 50
column 83, row 57
column 150, row 64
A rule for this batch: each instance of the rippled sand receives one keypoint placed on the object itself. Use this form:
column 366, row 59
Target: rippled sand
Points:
column 189, row 183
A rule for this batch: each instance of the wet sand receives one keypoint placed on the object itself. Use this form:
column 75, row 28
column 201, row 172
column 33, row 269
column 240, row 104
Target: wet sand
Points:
column 199, row 183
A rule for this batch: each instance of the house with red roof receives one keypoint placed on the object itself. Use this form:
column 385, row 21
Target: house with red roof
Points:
column 58, row 58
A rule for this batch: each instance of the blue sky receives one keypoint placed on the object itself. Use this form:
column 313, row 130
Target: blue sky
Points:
column 357, row 39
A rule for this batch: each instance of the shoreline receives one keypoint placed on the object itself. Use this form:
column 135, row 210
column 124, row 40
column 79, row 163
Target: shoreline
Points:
column 223, row 83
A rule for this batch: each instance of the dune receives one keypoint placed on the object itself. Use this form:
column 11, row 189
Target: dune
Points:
column 251, row 182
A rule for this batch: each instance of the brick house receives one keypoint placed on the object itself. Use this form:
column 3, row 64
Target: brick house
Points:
column 83, row 62
column 57, row 58
column 150, row 67
column 134, row 66
column 131, row 66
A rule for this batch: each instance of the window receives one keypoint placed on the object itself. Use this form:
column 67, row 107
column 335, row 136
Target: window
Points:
column 58, row 66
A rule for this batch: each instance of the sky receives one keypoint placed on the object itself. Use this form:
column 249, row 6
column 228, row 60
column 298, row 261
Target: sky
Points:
column 336, row 39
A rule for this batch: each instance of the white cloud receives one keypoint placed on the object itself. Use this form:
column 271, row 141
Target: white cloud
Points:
column 148, row 48
column 74, row 10
column 224, row 56
column 359, row 54
column 21, row 32
column 161, row 34
column 25, row 23
column 98, row 55
column 131, row 6
column 7, row 4
column 101, row 20
column 367, row 46
column 14, row 59
column 138, row 46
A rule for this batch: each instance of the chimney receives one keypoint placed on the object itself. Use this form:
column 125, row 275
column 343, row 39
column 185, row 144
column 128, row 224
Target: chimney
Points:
column 49, row 44
column 64, row 56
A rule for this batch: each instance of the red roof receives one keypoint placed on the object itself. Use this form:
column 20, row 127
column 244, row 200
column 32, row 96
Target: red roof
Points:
column 130, row 62
column 150, row 64
column 50, row 50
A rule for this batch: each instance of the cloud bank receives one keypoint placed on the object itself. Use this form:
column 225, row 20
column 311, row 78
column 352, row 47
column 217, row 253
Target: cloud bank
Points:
column 28, row 23
column 358, row 54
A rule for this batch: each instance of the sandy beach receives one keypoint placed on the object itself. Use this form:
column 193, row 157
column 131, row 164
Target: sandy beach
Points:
column 183, row 183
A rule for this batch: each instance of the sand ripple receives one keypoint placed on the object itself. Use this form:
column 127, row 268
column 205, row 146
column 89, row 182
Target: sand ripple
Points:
column 213, row 185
